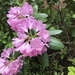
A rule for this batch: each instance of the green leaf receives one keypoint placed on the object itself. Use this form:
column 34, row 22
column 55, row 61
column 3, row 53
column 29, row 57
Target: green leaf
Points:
column 62, row 73
column 40, row 16
column 5, row 35
column 4, row 41
column 55, row 32
column 71, row 73
column 24, row 71
column 20, row 2
column 1, row 34
column 55, row 73
column 55, row 44
column 35, row 8
column 9, row 44
column 16, row 54
column 9, row 38
column 73, row 33
column 73, row 16
column 52, row 13
column 48, row 26
column 43, row 59
column 71, row 70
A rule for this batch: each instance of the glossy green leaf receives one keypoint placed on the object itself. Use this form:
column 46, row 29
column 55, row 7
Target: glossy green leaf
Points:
column 55, row 32
column 43, row 59
column 48, row 26
column 40, row 16
column 55, row 44
column 35, row 8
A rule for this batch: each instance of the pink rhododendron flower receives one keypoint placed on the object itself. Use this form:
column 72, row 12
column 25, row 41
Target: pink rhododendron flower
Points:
column 6, row 52
column 15, row 66
column 26, row 9
column 8, row 64
column 32, row 38
column 17, row 14
column 10, row 68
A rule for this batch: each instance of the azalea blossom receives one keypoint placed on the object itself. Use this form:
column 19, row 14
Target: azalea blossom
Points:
column 6, row 52
column 17, row 14
column 9, row 66
column 32, row 38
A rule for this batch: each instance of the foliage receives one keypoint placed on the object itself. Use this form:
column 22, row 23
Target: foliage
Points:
column 60, row 22
column 71, row 70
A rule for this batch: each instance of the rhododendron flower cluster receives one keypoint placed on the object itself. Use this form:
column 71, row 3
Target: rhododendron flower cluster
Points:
column 9, row 66
column 32, row 39
column 32, row 34
column 17, row 14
